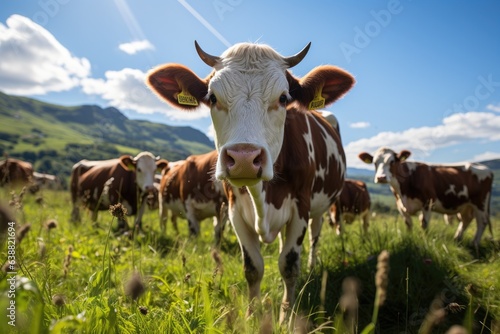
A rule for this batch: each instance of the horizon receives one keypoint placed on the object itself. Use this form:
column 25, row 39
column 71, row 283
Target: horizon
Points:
column 427, row 73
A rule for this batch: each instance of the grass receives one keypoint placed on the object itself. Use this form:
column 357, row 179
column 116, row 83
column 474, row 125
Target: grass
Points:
column 84, row 279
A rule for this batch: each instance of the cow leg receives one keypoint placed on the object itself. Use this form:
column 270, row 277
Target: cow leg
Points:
column 253, row 263
column 315, row 225
column 174, row 223
column 75, row 214
column 289, row 263
column 466, row 217
column 365, row 217
column 425, row 217
column 482, row 220
column 163, row 212
column 140, row 213
column 194, row 224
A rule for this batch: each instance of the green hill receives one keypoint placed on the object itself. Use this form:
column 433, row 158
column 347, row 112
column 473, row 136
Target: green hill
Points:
column 54, row 137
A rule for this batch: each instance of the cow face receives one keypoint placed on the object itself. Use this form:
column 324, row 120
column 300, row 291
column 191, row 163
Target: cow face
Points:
column 248, row 93
column 386, row 163
column 145, row 166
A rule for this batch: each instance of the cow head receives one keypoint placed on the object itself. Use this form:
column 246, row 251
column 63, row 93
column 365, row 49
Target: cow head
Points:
column 145, row 166
column 248, row 94
column 386, row 163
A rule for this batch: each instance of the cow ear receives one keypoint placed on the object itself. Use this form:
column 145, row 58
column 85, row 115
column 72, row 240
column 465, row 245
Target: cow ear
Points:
column 178, row 85
column 366, row 157
column 403, row 155
column 161, row 164
column 127, row 162
column 320, row 87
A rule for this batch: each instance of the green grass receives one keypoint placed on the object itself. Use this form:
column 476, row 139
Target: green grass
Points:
column 188, row 291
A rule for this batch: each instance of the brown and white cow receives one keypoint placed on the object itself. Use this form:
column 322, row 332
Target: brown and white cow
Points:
column 354, row 202
column 15, row 172
column 448, row 189
column 188, row 189
column 283, row 164
column 46, row 181
column 127, row 180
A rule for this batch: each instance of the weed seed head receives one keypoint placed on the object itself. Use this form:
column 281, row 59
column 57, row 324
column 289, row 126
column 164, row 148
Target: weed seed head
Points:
column 23, row 230
column 50, row 224
column 382, row 276
column 58, row 300
column 134, row 288
column 118, row 211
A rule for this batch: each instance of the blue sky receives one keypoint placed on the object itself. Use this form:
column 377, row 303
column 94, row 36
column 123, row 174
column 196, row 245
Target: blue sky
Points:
column 428, row 72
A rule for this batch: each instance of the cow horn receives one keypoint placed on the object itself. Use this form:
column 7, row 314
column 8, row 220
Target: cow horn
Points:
column 207, row 58
column 295, row 59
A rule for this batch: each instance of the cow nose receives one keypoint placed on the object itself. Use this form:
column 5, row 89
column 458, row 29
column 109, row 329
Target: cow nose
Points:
column 149, row 188
column 381, row 179
column 243, row 161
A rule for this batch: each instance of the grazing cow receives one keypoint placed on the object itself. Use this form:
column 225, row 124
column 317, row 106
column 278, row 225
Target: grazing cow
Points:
column 15, row 172
column 283, row 164
column 127, row 180
column 448, row 189
column 188, row 190
column 46, row 181
column 354, row 201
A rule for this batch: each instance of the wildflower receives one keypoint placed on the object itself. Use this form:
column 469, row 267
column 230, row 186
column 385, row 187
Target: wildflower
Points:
column 134, row 288
column 118, row 211
column 23, row 230
column 50, row 224
column 58, row 300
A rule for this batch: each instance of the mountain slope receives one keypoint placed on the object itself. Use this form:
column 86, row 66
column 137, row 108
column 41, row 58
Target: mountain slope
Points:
column 55, row 137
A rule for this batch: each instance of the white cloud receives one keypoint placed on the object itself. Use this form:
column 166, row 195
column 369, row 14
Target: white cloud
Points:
column 359, row 125
column 34, row 62
column 486, row 156
column 493, row 107
column 455, row 129
column 136, row 46
column 125, row 89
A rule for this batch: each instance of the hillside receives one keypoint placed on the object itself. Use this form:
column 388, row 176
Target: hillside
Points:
column 54, row 137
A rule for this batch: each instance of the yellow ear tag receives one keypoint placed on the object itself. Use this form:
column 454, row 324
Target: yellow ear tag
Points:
column 186, row 99
column 318, row 102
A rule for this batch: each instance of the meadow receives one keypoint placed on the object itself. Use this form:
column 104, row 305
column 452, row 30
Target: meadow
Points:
column 82, row 278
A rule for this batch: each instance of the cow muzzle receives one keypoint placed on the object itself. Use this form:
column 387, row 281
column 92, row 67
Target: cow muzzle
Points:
column 244, row 164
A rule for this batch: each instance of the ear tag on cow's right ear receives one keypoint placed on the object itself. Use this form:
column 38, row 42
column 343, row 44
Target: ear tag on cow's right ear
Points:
column 186, row 99
column 318, row 102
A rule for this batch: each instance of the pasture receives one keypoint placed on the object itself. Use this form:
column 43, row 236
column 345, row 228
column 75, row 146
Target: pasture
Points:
column 81, row 278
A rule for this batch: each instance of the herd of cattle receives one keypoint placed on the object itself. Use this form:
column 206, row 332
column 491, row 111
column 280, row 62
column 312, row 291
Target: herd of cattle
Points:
column 281, row 163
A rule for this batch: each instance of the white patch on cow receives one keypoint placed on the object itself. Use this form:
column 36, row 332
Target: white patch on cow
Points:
column 481, row 171
column 247, row 85
column 320, row 202
column 145, row 170
column 409, row 205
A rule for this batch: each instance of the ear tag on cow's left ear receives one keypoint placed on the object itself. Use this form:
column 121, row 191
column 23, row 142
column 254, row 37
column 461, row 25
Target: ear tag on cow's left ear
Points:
column 186, row 99
column 318, row 102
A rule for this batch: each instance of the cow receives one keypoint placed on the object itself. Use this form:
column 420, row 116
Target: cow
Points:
column 354, row 201
column 282, row 163
column 126, row 180
column 463, row 189
column 15, row 172
column 46, row 181
column 188, row 190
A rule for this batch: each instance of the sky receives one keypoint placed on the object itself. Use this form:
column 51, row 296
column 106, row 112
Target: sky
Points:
column 427, row 72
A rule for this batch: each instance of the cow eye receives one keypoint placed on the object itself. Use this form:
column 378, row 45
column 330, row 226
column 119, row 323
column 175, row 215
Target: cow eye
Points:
column 283, row 99
column 213, row 99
